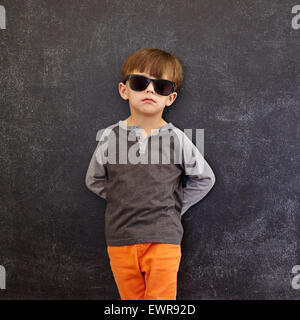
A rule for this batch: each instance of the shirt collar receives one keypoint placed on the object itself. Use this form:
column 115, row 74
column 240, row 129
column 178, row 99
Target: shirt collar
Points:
column 127, row 127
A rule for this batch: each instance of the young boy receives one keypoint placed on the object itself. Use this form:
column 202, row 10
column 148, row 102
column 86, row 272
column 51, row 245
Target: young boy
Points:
column 146, row 197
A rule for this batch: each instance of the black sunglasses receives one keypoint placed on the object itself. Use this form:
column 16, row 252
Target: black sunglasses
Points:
column 139, row 83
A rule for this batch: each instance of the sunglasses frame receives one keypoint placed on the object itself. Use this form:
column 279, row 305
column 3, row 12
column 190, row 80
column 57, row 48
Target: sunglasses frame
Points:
column 148, row 82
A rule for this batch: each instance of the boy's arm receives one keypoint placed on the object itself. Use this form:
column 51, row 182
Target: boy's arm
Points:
column 200, row 177
column 96, row 174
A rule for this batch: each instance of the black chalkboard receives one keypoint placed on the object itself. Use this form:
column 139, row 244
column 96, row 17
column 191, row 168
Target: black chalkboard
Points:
column 60, row 67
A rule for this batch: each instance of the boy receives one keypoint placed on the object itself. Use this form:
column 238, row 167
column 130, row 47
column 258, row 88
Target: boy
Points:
column 146, row 199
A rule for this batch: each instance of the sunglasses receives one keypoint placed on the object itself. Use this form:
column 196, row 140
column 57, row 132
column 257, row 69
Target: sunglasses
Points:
column 139, row 83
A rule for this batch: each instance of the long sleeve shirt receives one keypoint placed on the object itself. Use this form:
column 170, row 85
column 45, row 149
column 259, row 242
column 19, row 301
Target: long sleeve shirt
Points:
column 142, row 182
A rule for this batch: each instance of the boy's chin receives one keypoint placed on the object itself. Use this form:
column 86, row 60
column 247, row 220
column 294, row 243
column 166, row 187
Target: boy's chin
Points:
column 149, row 109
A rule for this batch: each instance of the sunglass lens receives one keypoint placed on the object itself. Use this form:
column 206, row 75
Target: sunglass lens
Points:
column 138, row 83
column 164, row 87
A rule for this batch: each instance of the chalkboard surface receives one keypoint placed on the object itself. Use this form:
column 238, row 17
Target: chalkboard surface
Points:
column 60, row 66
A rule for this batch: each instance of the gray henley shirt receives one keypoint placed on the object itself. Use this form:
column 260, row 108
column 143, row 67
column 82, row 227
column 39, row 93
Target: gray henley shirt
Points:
column 142, row 182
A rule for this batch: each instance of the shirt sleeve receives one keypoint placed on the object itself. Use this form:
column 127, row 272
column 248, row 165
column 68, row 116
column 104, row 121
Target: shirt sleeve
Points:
column 200, row 177
column 96, row 175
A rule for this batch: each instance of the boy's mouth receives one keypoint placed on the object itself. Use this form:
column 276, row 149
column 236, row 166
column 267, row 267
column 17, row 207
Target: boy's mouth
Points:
column 148, row 100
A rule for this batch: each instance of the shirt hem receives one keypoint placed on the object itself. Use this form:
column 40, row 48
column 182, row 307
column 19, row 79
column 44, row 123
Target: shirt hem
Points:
column 125, row 242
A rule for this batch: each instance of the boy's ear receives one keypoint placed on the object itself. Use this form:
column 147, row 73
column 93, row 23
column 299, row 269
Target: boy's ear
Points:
column 123, row 90
column 171, row 98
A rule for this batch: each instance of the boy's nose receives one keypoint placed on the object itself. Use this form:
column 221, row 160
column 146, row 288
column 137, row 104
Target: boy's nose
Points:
column 150, row 87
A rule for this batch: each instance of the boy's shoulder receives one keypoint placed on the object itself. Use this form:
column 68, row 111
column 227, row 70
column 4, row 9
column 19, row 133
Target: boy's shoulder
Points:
column 105, row 131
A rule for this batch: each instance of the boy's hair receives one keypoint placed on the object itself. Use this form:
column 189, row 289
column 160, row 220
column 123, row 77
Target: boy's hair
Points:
column 156, row 62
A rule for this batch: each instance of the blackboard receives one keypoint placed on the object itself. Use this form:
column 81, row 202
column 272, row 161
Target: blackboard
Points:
column 60, row 68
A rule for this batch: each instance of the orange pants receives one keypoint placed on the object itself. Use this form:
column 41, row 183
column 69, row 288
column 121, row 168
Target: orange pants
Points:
column 158, row 261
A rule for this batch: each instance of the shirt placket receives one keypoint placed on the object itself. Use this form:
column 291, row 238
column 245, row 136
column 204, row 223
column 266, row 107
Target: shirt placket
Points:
column 143, row 141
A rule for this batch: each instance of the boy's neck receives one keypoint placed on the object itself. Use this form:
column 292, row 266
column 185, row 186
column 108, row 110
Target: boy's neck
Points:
column 147, row 124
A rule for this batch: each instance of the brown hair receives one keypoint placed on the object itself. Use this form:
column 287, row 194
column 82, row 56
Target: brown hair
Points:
column 156, row 62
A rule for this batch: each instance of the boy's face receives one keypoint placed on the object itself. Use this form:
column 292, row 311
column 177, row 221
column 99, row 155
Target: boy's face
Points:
column 136, row 97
